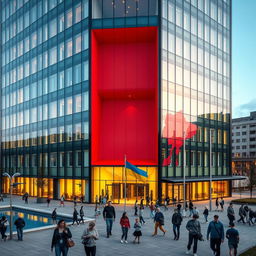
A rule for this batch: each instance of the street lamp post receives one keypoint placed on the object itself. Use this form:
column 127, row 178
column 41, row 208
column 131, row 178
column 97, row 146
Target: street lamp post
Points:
column 11, row 178
column 210, row 169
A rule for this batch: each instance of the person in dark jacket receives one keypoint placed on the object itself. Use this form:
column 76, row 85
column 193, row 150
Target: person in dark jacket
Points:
column 251, row 216
column 217, row 204
column 231, row 214
column 75, row 217
column 194, row 232
column 81, row 212
column 54, row 216
column 20, row 224
column 191, row 207
column 125, row 225
column 242, row 214
column 216, row 232
column 59, row 239
column 159, row 221
column 233, row 239
column 206, row 213
column 136, row 208
column 109, row 216
column 176, row 222
column 3, row 227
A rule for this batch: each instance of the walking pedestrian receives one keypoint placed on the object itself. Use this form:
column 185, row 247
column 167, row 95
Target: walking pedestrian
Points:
column 89, row 238
column 216, row 232
column 152, row 210
column 251, row 216
column 26, row 198
column 75, row 201
column 217, row 204
column 206, row 213
column 241, row 213
column 190, row 207
column 81, row 212
column 176, row 222
column 20, row 224
column 137, row 233
column 231, row 214
column 3, row 227
column 246, row 208
column 165, row 204
column 48, row 200
column 233, row 239
column 195, row 211
column 194, row 234
column 141, row 210
column 136, row 208
column 1, row 197
column 222, row 204
column 125, row 225
column 54, row 216
column 75, row 217
column 60, row 238
column 159, row 221
column 142, row 202
column 62, row 199
column 109, row 216
column 147, row 201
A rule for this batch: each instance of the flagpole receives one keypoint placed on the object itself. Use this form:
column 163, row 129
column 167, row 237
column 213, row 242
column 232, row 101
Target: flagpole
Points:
column 124, row 183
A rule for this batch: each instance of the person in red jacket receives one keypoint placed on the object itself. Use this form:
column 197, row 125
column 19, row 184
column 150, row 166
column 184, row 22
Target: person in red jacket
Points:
column 125, row 225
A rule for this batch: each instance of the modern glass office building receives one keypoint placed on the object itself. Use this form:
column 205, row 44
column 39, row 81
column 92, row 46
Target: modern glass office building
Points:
column 86, row 84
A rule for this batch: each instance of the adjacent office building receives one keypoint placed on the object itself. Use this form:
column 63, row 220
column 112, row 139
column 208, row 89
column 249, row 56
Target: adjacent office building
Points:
column 86, row 84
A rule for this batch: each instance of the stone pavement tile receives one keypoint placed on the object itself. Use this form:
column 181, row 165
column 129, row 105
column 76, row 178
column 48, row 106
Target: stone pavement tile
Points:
column 38, row 243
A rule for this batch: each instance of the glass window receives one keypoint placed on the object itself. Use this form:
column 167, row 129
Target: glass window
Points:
column 78, row 45
column 69, row 48
column 53, row 159
column 78, row 131
column 78, row 105
column 33, row 40
column 53, row 28
column 33, row 115
column 77, row 73
column 78, row 13
column 45, row 111
column 61, row 23
column 53, row 83
column 69, row 106
column 26, row 44
column 69, row 18
column 61, row 79
column 53, row 109
column 61, row 51
column 61, row 134
column 85, row 101
column 61, row 107
column 69, row 132
column 33, row 90
column 45, row 86
column 53, row 55
column 85, row 44
column 68, row 77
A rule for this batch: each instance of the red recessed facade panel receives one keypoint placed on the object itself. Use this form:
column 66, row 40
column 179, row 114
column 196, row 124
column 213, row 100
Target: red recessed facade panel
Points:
column 124, row 94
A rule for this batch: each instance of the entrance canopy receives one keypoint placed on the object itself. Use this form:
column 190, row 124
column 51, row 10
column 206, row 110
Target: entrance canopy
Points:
column 200, row 179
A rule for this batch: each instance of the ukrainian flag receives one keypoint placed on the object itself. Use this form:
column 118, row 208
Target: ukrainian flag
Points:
column 136, row 169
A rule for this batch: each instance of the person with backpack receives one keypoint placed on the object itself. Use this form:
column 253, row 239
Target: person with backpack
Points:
column 206, row 213
column 242, row 214
column 194, row 234
column 89, row 238
column 125, row 225
column 159, row 221
column 216, row 232
column 3, row 227
column 233, row 239
column 60, row 238
column 176, row 222
column 54, row 216
column 231, row 214
column 20, row 224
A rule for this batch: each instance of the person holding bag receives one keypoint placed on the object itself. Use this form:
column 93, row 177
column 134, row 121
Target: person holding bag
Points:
column 89, row 238
column 216, row 232
column 159, row 221
column 61, row 239
column 194, row 234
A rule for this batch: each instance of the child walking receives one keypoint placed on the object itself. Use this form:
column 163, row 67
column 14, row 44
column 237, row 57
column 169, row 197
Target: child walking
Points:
column 137, row 233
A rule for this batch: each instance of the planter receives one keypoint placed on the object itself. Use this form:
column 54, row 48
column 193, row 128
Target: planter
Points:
column 251, row 201
column 41, row 200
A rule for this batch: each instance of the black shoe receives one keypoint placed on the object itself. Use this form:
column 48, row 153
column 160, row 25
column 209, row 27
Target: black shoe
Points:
column 107, row 236
column 110, row 234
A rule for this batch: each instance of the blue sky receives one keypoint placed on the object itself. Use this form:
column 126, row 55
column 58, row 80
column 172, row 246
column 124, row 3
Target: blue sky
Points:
column 244, row 57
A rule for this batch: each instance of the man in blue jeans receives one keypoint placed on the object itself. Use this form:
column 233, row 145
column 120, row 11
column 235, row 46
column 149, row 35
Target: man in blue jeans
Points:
column 20, row 224
column 109, row 216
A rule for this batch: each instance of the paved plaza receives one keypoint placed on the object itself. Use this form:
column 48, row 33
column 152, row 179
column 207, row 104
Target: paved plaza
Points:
column 39, row 243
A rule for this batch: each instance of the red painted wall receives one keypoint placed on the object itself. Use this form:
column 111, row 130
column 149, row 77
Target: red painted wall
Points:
column 124, row 96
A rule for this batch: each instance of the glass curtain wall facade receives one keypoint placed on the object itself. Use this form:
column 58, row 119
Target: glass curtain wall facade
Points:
column 45, row 96
column 196, row 92
column 74, row 71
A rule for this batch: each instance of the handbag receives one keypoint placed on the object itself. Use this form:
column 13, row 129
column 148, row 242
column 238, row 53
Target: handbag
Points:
column 70, row 243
